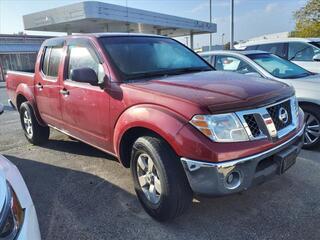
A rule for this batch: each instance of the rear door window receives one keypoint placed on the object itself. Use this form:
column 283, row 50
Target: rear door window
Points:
column 51, row 61
column 45, row 62
column 54, row 62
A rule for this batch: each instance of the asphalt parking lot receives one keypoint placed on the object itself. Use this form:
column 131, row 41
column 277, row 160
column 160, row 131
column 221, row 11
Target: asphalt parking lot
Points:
column 82, row 193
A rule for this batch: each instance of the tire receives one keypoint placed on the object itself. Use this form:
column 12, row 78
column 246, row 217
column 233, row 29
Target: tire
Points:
column 34, row 132
column 173, row 194
column 312, row 118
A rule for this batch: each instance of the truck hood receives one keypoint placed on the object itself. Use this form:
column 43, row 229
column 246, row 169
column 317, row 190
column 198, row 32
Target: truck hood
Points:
column 219, row 91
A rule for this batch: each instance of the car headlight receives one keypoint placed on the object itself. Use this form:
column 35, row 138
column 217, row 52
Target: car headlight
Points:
column 221, row 127
column 12, row 215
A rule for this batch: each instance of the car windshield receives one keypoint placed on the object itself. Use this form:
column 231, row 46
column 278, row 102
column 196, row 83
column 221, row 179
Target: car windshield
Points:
column 139, row 57
column 279, row 67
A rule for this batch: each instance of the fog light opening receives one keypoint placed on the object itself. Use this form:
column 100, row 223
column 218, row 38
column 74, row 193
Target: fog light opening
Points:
column 233, row 180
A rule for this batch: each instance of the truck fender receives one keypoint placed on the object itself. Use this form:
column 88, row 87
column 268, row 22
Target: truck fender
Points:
column 25, row 91
column 157, row 119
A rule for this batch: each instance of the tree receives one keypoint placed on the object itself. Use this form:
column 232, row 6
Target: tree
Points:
column 307, row 20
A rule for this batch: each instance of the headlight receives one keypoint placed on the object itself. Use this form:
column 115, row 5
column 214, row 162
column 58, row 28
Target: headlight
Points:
column 220, row 128
column 12, row 215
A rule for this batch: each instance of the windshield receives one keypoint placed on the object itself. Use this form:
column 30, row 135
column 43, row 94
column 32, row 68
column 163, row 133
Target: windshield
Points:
column 279, row 67
column 138, row 57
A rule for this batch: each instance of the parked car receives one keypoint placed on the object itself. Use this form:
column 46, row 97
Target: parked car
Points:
column 18, row 218
column 304, row 52
column 270, row 66
column 163, row 111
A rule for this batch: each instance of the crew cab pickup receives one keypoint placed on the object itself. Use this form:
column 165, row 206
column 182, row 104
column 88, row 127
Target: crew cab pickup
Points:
column 181, row 127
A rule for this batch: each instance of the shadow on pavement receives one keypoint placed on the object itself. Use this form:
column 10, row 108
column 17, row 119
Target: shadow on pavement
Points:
column 77, row 205
column 74, row 204
column 76, row 147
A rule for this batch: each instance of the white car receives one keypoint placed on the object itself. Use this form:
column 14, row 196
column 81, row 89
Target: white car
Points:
column 304, row 52
column 270, row 66
column 18, row 218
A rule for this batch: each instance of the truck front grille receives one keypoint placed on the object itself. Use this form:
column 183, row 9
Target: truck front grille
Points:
column 274, row 113
column 252, row 124
column 261, row 122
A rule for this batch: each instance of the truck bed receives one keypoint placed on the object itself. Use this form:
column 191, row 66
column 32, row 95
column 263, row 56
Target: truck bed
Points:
column 16, row 80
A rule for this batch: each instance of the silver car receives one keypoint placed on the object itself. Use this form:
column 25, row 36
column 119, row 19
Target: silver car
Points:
column 269, row 66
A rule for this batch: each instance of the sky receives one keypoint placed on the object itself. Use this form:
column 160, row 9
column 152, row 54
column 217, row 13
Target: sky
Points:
column 252, row 17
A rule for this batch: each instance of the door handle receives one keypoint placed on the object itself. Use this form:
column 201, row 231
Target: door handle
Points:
column 39, row 86
column 64, row 92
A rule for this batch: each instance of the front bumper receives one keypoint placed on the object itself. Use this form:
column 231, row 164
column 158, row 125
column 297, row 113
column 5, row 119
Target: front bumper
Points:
column 213, row 179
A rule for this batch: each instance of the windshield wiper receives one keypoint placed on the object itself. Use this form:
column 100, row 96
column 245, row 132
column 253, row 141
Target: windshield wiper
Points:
column 189, row 70
column 168, row 72
column 298, row 76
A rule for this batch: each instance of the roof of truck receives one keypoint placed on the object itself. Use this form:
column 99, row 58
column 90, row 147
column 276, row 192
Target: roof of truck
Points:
column 123, row 34
column 59, row 41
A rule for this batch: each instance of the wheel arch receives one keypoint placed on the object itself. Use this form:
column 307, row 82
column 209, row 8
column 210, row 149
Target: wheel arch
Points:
column 308, row 103
column 155, row 121
column 25, row 94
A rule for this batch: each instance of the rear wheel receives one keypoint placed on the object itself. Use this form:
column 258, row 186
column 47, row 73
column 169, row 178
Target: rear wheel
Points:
column 312, row 131
column 34, row 132
column 159, row 179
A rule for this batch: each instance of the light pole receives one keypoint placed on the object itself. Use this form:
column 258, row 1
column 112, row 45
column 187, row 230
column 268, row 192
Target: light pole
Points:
column 231, row 23
column 210, row 44
column 222, row 40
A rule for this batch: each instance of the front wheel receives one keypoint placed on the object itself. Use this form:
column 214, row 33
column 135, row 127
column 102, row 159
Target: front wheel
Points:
column 312, row 131
column 159, row 179
column 34, row 132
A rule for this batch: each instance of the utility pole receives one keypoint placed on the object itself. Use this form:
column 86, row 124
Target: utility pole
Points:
column 210, row 44
column 222, row 40
column 231, row 24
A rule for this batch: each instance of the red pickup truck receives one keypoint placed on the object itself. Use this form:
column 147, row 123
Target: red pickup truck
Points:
column 181, row 127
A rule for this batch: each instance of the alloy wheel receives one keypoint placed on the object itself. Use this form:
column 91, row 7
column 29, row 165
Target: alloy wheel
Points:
column 312, row 132
column 148, row 178
column 27, row 123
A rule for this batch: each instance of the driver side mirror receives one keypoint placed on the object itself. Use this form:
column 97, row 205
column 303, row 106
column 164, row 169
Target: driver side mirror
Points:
column 316, row 57
column 1, row 108
column 84, row 75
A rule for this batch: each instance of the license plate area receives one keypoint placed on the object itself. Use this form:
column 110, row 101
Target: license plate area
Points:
column 286, row 158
